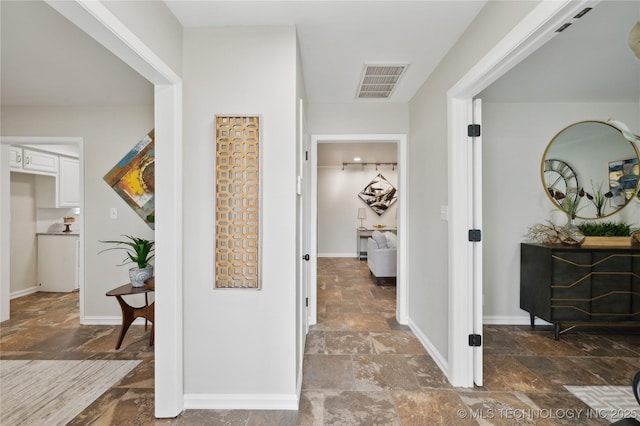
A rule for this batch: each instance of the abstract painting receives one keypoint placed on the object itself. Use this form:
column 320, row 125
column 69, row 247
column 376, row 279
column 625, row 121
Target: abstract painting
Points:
column 379, row 194
column 133, row 179
column 623, row 180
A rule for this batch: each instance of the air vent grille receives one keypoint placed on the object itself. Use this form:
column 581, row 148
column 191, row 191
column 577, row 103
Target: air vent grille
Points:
column 379, row 81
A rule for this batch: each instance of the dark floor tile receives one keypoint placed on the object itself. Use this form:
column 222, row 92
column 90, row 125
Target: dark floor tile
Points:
column 432, row 408
column 360, row 366
column 359, row 408
column 328, row 372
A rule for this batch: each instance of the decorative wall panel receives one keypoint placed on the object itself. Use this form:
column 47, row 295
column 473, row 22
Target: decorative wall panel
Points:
column 237, row 249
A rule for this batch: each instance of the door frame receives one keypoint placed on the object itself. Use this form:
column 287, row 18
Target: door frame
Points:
column 101, row 24
column 5, row 206
column 528, row 35
column 402, row 279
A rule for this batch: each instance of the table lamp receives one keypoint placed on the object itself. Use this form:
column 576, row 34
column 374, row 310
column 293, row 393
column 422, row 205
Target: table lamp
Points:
column 362, row 214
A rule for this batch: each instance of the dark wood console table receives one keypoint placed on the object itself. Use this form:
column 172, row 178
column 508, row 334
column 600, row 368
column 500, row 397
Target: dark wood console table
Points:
column 574, row 285
column 130, row 313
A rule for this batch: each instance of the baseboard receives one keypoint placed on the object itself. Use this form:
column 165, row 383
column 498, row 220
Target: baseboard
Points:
column 337, row 255
column 23, row 292
column 107, row 320
column 440, row 361
column 511, row 320
column 198, row 401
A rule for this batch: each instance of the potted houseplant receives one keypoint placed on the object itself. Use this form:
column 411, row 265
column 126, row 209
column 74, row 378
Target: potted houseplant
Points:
column 606, row 233
column 139, row 251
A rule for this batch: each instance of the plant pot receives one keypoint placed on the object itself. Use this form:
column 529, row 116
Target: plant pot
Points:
column 138, row 276
column 606, row 241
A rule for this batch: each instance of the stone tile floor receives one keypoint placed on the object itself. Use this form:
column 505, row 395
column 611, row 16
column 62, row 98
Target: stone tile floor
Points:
column 361, row 367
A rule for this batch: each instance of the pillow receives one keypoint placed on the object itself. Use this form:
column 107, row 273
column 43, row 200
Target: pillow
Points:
column 380, row 239
column 392, row 239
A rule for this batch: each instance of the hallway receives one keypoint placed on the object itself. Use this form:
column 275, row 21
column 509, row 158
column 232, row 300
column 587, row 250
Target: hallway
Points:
column 361, row 367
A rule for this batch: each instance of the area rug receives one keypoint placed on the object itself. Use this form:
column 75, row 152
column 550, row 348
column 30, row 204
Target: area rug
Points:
column 54, row 392
column 611, row 402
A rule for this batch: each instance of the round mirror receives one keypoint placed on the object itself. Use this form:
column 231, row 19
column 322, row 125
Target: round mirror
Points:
column 590, row 170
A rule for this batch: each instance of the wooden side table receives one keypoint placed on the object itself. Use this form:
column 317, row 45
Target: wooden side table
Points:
column 130, row 313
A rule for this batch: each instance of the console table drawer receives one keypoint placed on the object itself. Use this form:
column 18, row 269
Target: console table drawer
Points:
column 578, row 285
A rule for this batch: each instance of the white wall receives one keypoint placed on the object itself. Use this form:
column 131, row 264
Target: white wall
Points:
column 155, row 25
column 513, row 195
column 358, row 118
column 428, row 188
column 338, row 204
column 240, row 345
column 23, row 269
column 109, row 133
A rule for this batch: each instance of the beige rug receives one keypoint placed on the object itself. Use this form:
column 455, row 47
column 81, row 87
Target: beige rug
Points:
column 54, row 392
column 610, row 402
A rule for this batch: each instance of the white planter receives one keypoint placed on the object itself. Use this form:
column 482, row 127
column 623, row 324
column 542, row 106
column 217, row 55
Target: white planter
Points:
column 139, row 276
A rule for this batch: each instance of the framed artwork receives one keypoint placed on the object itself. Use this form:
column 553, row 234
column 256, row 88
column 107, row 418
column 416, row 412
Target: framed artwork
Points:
column 379, row 194
column 133, row 179
column 623, row 180
column 237, row 202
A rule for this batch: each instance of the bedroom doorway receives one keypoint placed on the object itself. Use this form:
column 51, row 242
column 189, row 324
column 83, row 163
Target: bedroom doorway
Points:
column 402, row 222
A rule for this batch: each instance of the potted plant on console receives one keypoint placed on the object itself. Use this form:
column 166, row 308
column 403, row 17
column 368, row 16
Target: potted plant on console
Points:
column 139, row 251
column 606, row 234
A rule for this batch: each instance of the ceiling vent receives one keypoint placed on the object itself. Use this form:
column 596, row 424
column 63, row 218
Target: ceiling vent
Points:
column 379, row 81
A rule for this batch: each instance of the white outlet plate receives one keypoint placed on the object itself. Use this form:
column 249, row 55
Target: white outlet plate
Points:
column 113, row 213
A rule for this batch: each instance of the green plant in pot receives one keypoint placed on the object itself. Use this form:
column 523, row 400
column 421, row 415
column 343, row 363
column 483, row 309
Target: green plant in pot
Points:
column 606, row 233
column 606, row 229
column 139, row 251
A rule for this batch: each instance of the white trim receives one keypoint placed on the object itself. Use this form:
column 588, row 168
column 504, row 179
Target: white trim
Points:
column 23, row 292
column 337, row 255
column 511, row 320
column 440, row 360
column 196, row 401
column 98, row 22
column 402, row 280
column 527, row 36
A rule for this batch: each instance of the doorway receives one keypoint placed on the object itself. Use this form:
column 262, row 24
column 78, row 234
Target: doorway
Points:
column 401, row 280
column 532, row 32
column 62, row 145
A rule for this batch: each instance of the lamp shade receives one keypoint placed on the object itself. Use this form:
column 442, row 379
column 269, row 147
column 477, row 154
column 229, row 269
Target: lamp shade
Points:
column 362, row 213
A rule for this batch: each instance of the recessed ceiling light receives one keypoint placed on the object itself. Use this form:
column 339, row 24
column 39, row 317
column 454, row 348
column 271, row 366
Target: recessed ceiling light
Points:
column 357, row 158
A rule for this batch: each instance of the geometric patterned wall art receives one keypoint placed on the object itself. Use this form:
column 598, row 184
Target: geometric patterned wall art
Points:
column 379, row 194
column 237, row 207
column 133, row 179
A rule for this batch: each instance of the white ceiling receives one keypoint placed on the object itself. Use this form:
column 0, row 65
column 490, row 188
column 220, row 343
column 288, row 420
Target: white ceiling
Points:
column 337, row 38
column 45, row 60
column 590, row 61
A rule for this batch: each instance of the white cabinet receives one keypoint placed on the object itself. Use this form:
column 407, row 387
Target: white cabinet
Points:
column 58, row 262
column 69, row 182
column 31, row 161
column 15, row 158
column 39, row 161
column 62, row 190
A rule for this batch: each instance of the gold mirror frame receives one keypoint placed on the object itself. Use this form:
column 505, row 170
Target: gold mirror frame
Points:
column 564, row 168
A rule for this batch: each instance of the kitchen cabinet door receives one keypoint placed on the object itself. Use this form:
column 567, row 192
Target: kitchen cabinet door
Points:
column 15, row 158
column 69, row 182
column 58, row 263
column 39, row 161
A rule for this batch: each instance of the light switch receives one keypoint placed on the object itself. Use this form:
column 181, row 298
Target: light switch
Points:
column 444, row 212
column 113, row 213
